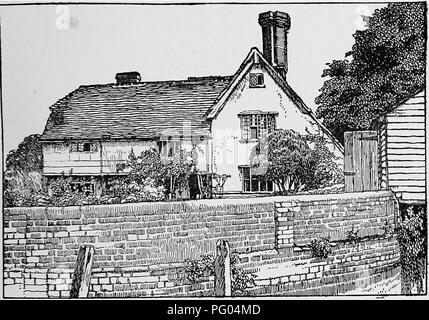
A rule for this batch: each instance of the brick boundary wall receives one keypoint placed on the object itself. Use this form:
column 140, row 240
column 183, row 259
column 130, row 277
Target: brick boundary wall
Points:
column 140, row 248
column 300, row 219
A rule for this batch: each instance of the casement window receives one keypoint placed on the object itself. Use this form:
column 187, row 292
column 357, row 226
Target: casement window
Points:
column 83, row 147
column 169, row 148
column 254, row 183
column 256, row 125
column 256, row 80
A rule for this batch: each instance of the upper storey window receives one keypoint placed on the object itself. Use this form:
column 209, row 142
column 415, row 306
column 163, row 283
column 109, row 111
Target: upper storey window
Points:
column 257, row 124
column 83, row 147
column 256, row 80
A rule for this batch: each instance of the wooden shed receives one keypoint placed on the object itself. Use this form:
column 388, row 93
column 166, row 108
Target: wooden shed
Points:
column 402, row 149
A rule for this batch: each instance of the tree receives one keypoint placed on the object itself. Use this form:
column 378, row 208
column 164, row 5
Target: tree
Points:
column 297, row 162
column 386, row 64
column 23, row 175
column 27, row 157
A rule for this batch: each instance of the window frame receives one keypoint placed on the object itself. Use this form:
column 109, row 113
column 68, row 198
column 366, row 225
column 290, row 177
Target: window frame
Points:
column 165, row 146
column 254, row 80
column 264, row 122
column 79, row 147
column 247, row 183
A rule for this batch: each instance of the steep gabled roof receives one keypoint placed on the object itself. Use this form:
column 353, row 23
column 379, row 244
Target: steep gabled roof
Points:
column 255, row 56
column 143, row 110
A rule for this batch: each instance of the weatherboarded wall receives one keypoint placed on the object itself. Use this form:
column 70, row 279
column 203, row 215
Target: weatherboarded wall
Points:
column 404, row 140
column 140, row 249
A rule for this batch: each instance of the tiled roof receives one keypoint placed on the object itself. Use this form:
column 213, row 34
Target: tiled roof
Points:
column 143, row 110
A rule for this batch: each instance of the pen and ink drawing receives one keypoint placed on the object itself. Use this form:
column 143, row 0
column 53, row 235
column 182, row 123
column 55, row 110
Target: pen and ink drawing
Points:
column 231, row 185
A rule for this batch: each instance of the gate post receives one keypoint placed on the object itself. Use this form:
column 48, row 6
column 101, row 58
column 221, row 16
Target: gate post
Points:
column 222, row 269
column 82, row 272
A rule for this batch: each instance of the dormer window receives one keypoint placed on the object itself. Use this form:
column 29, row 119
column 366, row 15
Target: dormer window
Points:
column 256, row 80
column 256, row 124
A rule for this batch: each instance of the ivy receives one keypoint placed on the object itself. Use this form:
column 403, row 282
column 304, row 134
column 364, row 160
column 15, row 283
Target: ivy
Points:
column 412, row 238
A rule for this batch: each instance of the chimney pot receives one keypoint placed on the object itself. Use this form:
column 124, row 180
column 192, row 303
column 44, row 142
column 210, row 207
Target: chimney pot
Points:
column 275, row 26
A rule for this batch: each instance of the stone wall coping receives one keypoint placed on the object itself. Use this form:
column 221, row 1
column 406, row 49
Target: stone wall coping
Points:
column 193, row 204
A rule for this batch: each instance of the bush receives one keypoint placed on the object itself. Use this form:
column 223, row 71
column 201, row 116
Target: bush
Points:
column 296, row 162
column 23, row 180
column 151, row 169
column 149, row 177
column 320, row 248
column 352, row 235
column 412, row 238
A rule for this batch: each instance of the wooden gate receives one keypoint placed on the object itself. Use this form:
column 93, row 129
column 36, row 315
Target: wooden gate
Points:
column 361, row 161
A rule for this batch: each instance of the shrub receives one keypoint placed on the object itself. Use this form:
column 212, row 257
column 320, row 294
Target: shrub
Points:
column 296, row 162
column 352, row 235
column 23, row 180
column 240, row 280
column 150, row 168
column 389, row 230
column 197, row 270
column 411, row 235
column 320, row 248
column 127, row 189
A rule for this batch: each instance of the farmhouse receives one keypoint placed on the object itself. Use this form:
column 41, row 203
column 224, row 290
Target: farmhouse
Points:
column 223, row 118
column 402, row 149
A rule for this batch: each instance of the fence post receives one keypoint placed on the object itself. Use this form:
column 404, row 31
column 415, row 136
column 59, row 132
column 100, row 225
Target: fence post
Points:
column 222, row 269
column 82, row 272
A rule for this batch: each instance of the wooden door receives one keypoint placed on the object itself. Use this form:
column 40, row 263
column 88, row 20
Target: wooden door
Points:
column 361, row 161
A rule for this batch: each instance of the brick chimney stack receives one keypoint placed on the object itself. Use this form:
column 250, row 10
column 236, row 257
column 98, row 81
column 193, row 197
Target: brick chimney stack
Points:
column 275, row 26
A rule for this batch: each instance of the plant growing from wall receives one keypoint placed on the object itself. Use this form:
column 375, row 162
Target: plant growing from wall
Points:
column 352, row 235
column 198, row 270
column 320, row 248
column 389, row 229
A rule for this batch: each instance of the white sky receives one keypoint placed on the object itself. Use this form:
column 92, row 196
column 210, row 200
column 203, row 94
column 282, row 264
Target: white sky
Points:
column 41, row 63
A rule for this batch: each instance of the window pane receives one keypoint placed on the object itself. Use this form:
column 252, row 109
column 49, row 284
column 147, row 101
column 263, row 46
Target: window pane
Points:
column 269, row 186
column 170, row 149
column 245, row 173
column 253, row 133
column 245, row 122
column 253, row 80
column 271, row 123
column 86, row 146
column 256, row 79
column 246, row 186
column 255, row 184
